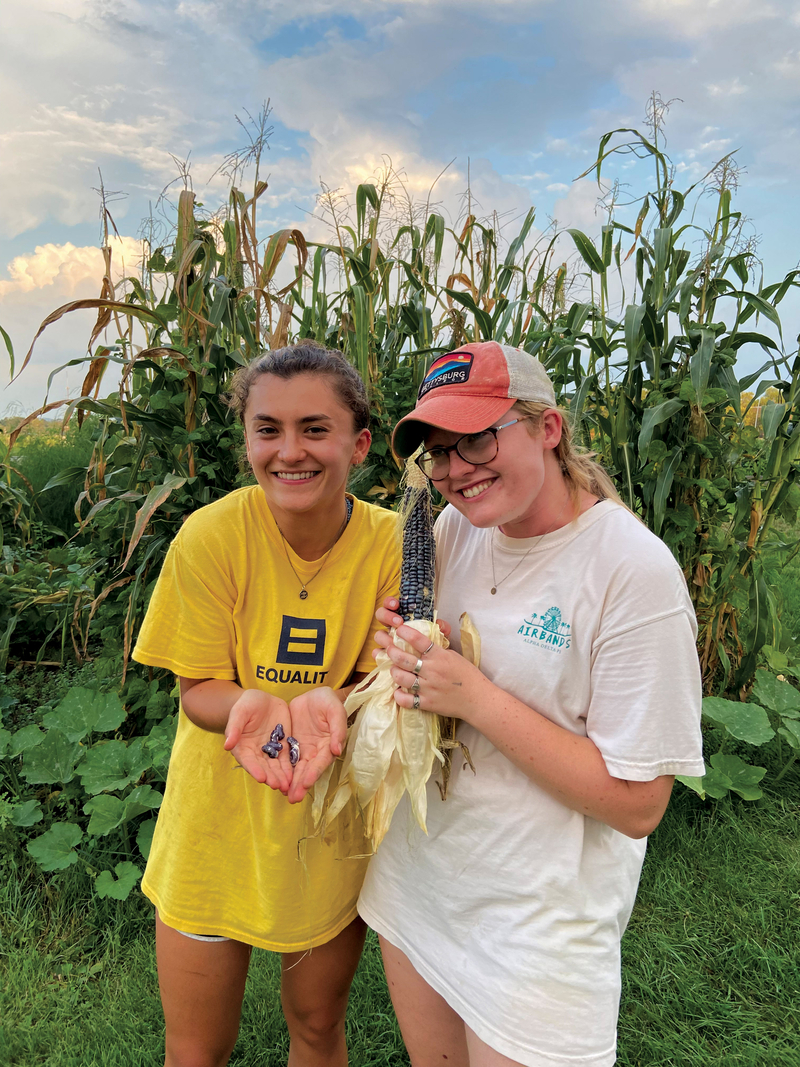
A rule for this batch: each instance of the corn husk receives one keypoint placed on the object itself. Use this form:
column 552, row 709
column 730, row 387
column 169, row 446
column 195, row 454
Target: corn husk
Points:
column 391, row 750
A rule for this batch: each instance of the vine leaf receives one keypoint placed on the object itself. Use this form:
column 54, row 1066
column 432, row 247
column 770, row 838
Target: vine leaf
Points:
column 776, row 695
column 107, row 813
column 745, row 722
column 54, row 760
column 54, row 850
column 119, row 888
column 743, row 778
column 28, row 813
column 83, row 711
column 144, row 836
column 25, row 739
column 113, row 765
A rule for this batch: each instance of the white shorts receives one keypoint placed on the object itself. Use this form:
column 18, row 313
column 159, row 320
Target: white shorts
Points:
column 203, row 937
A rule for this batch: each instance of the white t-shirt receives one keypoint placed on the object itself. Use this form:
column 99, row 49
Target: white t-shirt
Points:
column 513, row 906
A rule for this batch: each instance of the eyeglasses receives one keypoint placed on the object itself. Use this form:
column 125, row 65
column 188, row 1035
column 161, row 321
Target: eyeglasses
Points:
column 473, row 448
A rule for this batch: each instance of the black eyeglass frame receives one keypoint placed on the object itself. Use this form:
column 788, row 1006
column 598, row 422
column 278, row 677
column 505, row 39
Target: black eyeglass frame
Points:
column 445, row 450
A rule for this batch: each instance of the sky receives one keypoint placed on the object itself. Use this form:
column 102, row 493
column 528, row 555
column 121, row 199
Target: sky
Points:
column 512, row 96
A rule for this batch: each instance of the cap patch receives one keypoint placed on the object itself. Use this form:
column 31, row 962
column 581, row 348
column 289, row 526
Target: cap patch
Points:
column 450, row 369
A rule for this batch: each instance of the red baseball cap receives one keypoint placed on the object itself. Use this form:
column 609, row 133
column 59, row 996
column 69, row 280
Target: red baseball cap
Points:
column 469, row 389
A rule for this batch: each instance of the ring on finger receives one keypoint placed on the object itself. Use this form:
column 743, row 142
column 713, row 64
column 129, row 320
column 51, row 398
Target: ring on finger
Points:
column 417, row 666
column 415, row 686
column 427, row 650
column 416, row 702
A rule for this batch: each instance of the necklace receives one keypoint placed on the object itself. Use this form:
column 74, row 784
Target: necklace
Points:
column 348, row 504
column 519, row 563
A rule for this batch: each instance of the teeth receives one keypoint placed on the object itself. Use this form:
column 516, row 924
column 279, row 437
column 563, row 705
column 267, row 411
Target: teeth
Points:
column 474, row 490
column 299, row 476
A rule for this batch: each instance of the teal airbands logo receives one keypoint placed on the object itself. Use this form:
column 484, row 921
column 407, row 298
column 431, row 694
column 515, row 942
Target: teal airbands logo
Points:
column 547, row 630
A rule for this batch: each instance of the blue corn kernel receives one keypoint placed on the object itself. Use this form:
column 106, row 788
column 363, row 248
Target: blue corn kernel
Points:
column 277, row 734
column 294, row 750
column 272, row 749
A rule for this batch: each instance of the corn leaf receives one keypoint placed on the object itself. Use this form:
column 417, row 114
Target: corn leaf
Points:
column 155, row 498
column 663, row 485
column 700, row 365
column 588, row 252
column 9, row 348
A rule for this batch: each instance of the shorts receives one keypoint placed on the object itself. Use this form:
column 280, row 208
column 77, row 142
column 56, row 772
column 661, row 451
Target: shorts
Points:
column 203, row 937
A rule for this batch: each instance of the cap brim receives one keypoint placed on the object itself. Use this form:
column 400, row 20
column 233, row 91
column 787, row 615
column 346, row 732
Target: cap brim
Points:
column 461, row 414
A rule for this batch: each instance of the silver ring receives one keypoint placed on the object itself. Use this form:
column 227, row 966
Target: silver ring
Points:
column 416, row 702
column 415, row 686
column 427, row 650
column 417, row 666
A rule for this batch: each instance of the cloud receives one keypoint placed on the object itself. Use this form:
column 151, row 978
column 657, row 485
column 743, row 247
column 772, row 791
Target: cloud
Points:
column 39, row 282
column 68, row 269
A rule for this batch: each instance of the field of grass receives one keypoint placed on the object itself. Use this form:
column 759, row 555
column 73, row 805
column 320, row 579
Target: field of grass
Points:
column 711, row 963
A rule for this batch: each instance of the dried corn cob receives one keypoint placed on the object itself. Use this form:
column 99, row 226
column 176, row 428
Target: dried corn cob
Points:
column 392, row 750
column 418, row 570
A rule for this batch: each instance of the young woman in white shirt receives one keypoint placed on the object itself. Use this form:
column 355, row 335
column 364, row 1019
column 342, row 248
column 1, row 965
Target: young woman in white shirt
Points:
column 501, row 929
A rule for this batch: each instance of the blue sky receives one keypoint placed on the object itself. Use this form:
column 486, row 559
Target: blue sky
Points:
column 518, row 91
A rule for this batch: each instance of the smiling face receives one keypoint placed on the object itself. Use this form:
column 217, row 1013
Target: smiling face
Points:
column 521, row 489
column 301, row 444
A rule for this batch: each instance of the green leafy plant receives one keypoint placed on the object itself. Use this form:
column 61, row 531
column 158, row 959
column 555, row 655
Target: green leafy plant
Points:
column 770, row 719
column 84, row 787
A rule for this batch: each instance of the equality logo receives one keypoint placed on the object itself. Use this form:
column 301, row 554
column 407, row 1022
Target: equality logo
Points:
column 452, row 369
column 302, row 641
column 301, row 644
column 547, row 630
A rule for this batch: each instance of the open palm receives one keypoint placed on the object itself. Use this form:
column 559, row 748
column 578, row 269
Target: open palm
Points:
column 250, row 723
column 319, row 723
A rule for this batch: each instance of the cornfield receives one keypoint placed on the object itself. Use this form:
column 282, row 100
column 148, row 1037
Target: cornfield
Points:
column 641, row 331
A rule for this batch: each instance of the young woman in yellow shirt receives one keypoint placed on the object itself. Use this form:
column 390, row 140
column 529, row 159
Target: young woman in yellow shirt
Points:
column 264, row 609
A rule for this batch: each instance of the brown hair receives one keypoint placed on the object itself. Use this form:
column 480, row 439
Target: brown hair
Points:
column 578, row 465
column 306, row 357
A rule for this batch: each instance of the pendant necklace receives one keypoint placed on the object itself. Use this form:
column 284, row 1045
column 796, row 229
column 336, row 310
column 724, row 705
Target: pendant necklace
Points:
column 495, row 582
column 303, row 590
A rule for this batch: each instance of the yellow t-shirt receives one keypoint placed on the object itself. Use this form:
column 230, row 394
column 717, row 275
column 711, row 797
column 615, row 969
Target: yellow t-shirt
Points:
column 230, row 856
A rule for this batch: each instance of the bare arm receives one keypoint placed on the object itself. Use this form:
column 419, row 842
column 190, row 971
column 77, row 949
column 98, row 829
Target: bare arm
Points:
column 566, row 765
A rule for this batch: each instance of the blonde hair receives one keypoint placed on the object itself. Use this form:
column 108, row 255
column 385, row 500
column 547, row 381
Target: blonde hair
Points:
column 578, row 465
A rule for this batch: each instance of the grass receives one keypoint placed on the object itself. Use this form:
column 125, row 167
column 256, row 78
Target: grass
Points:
column 711, row 968
column 710, row 960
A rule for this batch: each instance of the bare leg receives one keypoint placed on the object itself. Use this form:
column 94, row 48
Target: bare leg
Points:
column 315, row 986
column 434, row 1034
column 481, row 1055
column 202, row 987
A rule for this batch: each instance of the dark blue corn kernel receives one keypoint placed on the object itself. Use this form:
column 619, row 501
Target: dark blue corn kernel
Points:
column 419, row 557
column 272, row 749
column 294, row 750
column 277, row 734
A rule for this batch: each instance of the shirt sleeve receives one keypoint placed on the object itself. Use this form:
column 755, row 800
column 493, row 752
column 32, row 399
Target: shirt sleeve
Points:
column 644, row 712
column 188, row 628
column 389, row 586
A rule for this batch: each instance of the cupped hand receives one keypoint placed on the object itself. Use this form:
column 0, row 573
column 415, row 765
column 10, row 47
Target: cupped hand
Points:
column 448, row 684
column 250, row 723
column 319, row 722
column 387, row 616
